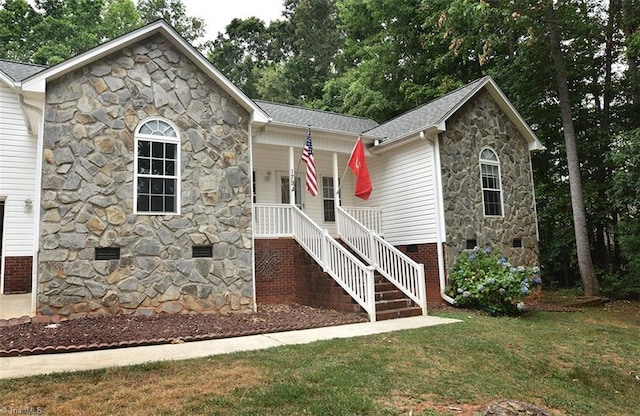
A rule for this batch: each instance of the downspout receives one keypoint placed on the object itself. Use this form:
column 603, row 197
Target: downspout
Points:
column 254, row 306
column 437, row 174
column 39, row 133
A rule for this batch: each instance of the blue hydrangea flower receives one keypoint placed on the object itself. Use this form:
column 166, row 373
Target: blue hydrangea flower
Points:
column 524, row 290
column 488, row 250
column 466, row 294
column 480, row 287
column 472, row 256
column 491, row 280
column 537, row 280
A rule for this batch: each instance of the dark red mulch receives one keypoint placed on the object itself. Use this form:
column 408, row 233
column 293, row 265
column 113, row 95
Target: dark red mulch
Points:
column 124, row 331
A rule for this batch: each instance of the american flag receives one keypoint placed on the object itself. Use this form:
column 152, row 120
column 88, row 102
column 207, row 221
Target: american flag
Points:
column 307, row 157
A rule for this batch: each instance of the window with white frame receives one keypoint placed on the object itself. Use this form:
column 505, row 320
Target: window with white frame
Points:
column 328, row 199
column 491, row 187
column 157, row 168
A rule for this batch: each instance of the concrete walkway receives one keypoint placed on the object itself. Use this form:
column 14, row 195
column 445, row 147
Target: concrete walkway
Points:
column 15, row 367
column 15, row 306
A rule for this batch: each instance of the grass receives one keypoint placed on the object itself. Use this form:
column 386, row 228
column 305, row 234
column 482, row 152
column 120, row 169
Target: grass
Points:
column 570, row 363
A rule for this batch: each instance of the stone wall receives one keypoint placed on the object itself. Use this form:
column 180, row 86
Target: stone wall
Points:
column 87, row 198
column 477, row 124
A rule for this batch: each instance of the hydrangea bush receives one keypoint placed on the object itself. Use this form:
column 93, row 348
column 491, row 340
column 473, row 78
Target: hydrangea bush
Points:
column 484, row 279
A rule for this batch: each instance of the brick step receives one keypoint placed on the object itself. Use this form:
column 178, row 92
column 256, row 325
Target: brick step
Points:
column 384, row 286
column 384, row 305
column 389, row 295
column 398, row 313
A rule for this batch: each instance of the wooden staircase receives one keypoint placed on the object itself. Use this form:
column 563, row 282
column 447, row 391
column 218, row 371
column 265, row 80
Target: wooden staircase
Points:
column 391, row 303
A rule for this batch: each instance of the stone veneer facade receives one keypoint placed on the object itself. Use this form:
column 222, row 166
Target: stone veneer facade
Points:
column 87, row 191
column 481, row 123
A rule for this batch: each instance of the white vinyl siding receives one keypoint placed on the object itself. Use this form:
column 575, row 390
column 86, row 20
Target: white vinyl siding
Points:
column 402, row 181
column 17, row 176
column 275, row 159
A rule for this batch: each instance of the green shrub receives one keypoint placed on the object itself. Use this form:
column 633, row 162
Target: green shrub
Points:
column 484, row 279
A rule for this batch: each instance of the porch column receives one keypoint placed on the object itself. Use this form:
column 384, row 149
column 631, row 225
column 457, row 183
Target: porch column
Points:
column 292, row 177
column 336, row 187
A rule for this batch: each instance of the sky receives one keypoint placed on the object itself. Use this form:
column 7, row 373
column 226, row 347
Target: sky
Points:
column 217, row 14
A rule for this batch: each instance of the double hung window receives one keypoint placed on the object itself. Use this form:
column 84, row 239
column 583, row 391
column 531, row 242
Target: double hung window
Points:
column 491, row 187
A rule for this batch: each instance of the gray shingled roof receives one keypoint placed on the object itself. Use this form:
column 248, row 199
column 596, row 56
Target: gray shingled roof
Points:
column 429, row 114
column 301, row 116
column 17, row 71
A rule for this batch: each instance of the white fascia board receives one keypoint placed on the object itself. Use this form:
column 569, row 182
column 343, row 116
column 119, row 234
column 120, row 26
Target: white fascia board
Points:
column 5, row 79
column 426, row 133
column 335, row 134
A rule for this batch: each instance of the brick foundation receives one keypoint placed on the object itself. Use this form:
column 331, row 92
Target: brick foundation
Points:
column 426, row 254
column 17, row 274
column 285, row 273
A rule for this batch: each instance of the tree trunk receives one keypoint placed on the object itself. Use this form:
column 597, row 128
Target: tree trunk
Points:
column 585, row 263
column 629, row 27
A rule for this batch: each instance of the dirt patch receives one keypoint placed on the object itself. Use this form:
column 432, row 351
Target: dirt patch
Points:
column 123, row 331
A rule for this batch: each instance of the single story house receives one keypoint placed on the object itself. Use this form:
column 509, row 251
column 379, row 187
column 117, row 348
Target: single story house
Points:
column 136, row 179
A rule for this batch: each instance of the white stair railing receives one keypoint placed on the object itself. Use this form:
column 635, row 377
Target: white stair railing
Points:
column 355, row 277
column 398, row 268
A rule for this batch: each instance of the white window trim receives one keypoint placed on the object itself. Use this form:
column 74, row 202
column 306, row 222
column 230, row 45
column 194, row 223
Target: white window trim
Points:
column 499, row 189
column 163, row 139
column 331, row 198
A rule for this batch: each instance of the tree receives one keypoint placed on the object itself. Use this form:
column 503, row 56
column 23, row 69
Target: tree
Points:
column 119, row 17
column 585, row 264
column 17, row 20
column 67, row 29
column 173, row 12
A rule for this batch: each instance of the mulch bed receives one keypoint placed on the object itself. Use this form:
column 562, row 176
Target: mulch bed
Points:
column 28, row 338
column 125, row 331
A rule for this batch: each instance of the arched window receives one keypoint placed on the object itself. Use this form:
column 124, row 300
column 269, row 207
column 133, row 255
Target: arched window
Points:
column 157, row 168
column 491, row 187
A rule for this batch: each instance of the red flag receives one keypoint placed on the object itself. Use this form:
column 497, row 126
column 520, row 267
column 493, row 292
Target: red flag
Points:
column 309, row 159
column 358, row 165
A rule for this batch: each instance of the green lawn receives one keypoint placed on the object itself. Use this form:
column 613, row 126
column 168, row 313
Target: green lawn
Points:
column 570, row 363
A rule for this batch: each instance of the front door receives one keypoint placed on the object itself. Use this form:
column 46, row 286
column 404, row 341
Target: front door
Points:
column 284, row 190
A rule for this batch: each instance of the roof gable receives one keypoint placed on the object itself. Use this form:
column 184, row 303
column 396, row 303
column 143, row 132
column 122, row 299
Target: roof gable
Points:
column 37, row 83
column 434, row 115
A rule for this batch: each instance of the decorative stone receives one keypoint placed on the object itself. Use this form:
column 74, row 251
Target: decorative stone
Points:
column 514, row 408
column 91, row 115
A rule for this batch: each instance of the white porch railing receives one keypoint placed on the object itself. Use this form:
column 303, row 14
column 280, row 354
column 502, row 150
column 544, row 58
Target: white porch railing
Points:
column 272, row 220
column 371, row 218
column 398, row 268
column 355, row 277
